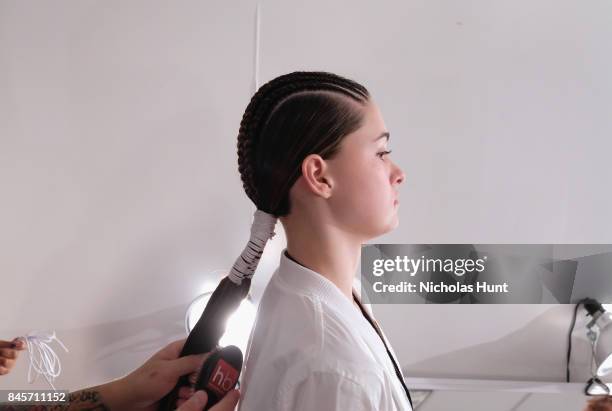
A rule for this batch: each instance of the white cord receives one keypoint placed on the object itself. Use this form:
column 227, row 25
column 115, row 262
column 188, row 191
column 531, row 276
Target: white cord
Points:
column 42, row 357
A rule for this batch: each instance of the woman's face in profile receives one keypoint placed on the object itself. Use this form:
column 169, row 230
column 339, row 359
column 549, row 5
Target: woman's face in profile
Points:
column 365, row 193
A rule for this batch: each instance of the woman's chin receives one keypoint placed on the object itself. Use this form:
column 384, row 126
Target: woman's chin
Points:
column 390, row 225
column 394, row 221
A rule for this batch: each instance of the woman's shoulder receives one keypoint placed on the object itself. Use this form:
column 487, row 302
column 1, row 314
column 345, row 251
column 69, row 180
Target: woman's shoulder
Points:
column 286, row 305
column 304, row 326
column 287, row 320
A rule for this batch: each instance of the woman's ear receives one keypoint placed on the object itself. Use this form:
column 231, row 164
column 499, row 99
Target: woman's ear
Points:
column 315, row 172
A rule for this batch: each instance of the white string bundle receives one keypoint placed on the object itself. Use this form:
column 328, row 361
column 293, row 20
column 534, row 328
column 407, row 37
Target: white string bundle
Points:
column 43, row 360
column 262, row 230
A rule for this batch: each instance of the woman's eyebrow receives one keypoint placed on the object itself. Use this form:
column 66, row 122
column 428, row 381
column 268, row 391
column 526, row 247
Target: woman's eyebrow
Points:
column 385, row 134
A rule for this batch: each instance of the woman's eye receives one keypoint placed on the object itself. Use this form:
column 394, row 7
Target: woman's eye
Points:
column 383, row 153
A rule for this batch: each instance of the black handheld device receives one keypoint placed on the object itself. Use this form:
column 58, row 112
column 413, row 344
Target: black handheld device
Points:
column 205, row 335
column 220, row 373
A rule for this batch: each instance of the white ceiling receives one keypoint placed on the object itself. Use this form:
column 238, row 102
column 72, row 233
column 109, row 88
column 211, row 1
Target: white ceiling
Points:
column 120, row 192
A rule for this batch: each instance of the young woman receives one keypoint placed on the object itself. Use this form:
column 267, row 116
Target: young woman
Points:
column 313, row 152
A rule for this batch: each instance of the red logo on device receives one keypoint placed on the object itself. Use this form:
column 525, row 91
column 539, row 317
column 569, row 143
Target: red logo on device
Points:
column 223, row 378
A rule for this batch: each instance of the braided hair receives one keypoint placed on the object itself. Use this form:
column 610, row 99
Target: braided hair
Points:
column 287, row 119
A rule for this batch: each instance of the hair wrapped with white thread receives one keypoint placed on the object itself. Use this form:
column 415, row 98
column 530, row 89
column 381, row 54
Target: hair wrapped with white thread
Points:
column 262, row 230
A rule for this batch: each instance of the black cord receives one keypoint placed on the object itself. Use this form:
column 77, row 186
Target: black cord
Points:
column 569, row 338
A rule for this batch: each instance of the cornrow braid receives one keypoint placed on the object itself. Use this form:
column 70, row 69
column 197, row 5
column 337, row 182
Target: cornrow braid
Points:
column 262, row 108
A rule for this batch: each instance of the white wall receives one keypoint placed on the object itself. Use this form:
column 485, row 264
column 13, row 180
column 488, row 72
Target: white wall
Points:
column 118, row 176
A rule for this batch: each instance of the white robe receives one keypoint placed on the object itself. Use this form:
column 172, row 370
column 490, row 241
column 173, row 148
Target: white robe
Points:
column 312, row 349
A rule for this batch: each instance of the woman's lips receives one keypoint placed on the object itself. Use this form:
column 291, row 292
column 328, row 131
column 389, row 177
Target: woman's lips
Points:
column 396, row 202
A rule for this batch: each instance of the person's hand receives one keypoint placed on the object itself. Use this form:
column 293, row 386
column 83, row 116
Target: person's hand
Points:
column 9, row 351
column 199, row 398
column 145, row 386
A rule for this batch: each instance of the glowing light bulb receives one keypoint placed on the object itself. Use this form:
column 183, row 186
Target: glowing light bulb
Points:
column 238, row 326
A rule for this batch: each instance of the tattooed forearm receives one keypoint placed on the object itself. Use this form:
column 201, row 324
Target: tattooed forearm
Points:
column 84, row 400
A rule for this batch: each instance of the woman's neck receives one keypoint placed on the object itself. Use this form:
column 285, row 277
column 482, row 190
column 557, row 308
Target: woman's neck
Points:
column 326, row 252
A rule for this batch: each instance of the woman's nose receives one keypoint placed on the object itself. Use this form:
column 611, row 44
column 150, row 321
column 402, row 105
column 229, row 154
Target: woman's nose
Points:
column 398, row 175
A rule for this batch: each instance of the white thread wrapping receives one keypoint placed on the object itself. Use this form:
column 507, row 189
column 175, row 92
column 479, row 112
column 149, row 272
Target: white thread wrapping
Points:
column 261, row 231
column 42, row 357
